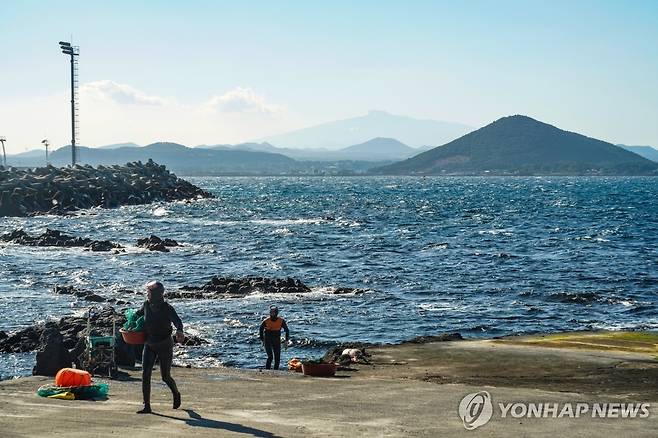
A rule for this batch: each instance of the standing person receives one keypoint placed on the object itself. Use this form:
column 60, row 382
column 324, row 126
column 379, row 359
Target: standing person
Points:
column 270, row 336
column 158, row 318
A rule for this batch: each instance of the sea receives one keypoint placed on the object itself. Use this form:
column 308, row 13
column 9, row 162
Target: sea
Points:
column 482, row 256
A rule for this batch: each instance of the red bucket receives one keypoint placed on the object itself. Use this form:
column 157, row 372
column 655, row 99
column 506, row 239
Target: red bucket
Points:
column 319, row 369
column 133, row 338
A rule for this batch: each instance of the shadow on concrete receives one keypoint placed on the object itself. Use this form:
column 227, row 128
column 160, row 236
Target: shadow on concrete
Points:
column 196, row 420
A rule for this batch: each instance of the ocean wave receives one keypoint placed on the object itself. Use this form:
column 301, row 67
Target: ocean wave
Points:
column 234, row 322
column 431, row 246
column 160, row 212
column 316, row 293
column 283, row 222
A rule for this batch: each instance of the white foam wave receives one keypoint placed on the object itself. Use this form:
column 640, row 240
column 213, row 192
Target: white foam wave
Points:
column 283, row 222
column 160, row 211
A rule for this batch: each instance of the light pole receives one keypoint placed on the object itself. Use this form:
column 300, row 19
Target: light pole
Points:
column 72, row 51
column 4, row 155
column 46, row 143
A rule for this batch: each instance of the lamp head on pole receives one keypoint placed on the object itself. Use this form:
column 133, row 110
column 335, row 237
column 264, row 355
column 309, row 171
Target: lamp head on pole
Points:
column 67, row 49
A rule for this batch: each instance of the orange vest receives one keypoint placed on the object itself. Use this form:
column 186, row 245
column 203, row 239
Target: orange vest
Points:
column 273, row 326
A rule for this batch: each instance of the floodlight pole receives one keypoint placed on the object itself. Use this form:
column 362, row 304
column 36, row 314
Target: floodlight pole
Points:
column 72, row 51
column 4, row 154
column 46, row 143
column 73, row 154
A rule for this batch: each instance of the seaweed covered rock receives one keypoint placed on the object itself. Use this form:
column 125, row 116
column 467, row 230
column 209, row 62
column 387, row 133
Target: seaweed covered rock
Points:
column 62, row 190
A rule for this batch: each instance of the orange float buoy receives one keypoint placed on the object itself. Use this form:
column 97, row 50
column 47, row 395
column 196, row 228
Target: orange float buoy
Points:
column 72, row 377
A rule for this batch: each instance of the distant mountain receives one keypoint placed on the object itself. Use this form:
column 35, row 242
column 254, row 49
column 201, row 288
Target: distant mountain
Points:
column 27, row 158
column 32, row 153
column 179, row 159
column 379, row 149
column 258, row 147
column 119, row 145
column 374, row 150
column 522, row 145
column 343, row 133
column 645, row 151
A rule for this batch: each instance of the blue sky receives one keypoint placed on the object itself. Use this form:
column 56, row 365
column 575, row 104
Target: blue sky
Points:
column 218, row 72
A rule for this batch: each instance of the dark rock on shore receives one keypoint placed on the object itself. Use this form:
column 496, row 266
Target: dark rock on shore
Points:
column 224, row 286
column 86, row 295
column 193, row 341
column 21, row 341
column 62, row 190
column 237, row 287
column 335, row 354
column 52, row 355
column 59, row 239
column 154, row 243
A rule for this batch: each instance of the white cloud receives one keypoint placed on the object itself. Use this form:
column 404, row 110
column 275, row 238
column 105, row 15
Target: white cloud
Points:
column 242, row 100
column 120, row 93
column 234, row 117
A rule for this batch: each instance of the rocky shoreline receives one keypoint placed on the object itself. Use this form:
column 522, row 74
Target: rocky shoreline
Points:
column 60, row 343
column 54, row 190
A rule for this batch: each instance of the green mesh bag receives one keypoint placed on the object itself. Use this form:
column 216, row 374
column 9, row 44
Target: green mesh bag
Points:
column 96, row 391
column 133, row 322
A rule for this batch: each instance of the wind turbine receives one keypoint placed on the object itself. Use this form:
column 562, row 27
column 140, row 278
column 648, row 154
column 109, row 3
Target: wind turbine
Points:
column 4, row 154
column 46, row 143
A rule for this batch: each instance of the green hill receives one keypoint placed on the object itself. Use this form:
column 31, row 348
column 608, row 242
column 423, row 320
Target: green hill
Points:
column 178, row 158
column 520, row 145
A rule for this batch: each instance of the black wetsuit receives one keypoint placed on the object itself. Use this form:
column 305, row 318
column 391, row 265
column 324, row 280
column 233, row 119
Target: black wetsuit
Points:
column 158, row 318
column 270, row 335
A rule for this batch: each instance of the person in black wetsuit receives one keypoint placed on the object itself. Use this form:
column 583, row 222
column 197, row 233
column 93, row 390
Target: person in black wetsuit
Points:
column 158, row 318
column 270, row 335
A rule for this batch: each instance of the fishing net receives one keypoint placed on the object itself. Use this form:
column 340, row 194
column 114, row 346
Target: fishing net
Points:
column 133, row 322
column 96, row 391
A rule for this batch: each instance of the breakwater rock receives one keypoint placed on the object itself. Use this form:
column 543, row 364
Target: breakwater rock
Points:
column 62, row 190
column 57, row 238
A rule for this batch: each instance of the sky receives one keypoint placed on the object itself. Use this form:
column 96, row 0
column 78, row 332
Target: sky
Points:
column 214, row 72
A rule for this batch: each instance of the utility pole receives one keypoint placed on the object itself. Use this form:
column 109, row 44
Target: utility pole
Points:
column 72, row 51
column 4, row 154
column 46, row 143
